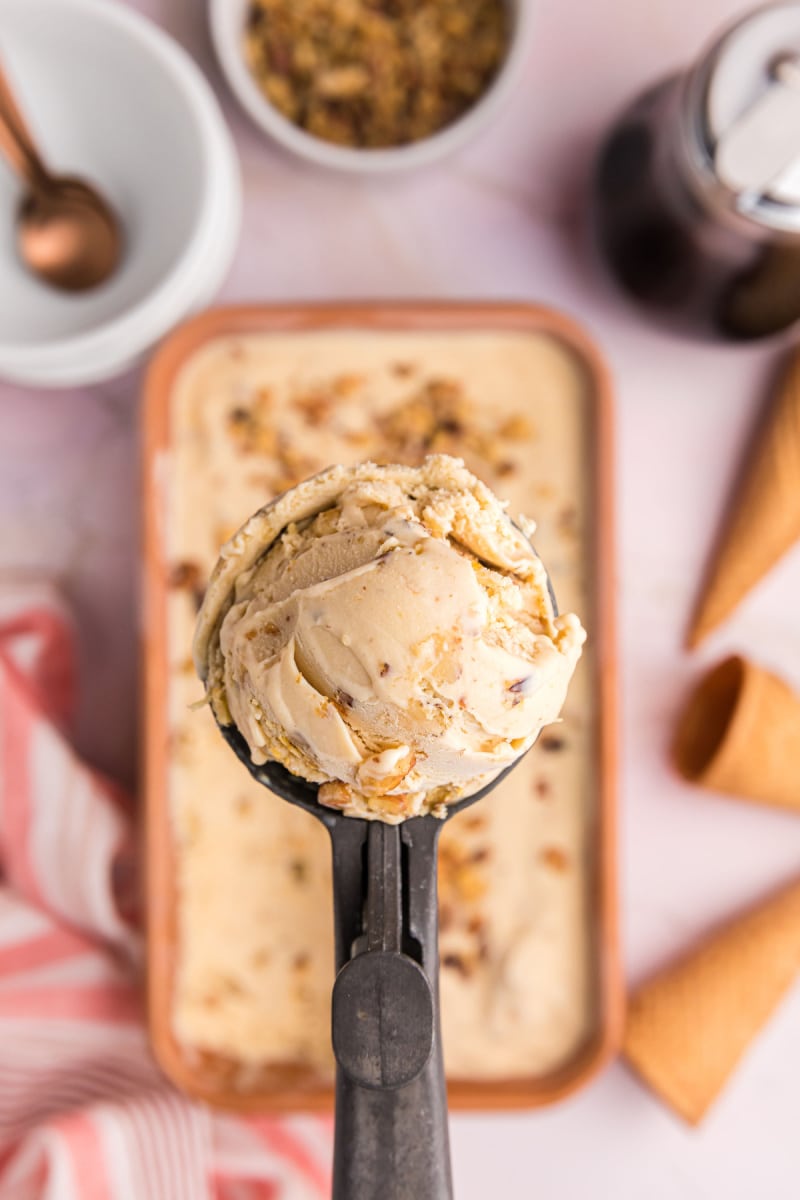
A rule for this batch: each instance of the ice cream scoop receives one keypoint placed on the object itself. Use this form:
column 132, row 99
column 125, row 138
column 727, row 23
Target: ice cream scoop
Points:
column 391, row 1138
column 281, row 627
column 386, row 632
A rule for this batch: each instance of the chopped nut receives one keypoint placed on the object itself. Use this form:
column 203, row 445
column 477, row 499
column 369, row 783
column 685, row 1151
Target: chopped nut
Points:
column 251, row 428
column 439, row 417
column 373, row 778
column 298, row 868
column 348, row 384
column 456, row 963
column 399, row 805
column 183, row 574
column 360, row 73
column 471, row 884
column 555, row 858
column 474, row 822
column 516, row 429
column 314, row 406
column 335, row 795
column 462, row 876
column 357, row 437
column 342, row 83
column 231, row 986
column 188, row 575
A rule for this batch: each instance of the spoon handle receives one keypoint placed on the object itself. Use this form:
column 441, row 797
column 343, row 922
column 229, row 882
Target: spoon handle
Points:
column 16, row 141
column 391, row 1142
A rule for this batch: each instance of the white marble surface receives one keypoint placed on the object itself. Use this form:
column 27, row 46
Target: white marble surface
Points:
column 504, row 219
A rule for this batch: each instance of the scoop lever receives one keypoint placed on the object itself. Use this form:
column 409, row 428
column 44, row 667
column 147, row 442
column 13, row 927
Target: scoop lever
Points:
column 383, row 1005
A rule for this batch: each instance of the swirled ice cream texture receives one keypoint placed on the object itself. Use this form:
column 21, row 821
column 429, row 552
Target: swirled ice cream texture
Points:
column 388, row 633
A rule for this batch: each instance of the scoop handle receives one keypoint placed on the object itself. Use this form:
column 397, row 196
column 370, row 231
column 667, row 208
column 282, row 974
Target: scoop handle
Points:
column 391, row 1143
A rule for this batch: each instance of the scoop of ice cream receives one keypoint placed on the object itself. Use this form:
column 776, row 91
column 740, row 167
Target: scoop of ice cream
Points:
column 388, row 633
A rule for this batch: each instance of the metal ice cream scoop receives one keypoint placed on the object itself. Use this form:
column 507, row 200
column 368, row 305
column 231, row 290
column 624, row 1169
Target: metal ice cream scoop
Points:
column 391, row 1140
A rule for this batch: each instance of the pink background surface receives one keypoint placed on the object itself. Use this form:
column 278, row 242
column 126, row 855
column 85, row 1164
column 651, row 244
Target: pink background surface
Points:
column 505, row 219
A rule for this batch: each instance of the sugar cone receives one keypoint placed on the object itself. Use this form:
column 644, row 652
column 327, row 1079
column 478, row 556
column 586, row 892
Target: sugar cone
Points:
column 740, row 734
column 765, row 519
column 688, row 1027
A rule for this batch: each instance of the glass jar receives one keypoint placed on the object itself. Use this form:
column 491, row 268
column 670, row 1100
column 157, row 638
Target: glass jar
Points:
column 697, row 188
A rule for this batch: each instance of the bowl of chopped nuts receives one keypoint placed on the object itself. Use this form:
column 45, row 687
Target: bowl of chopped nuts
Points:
column 371, row 86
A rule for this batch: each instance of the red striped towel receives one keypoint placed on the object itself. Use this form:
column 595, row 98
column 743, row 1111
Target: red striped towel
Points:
column 84, row 1112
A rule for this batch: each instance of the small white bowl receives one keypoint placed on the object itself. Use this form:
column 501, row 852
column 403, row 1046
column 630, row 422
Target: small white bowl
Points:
column 227, row 30
column 110, row 97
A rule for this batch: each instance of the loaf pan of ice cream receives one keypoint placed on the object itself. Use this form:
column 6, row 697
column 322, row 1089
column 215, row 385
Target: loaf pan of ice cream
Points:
column 240, row 405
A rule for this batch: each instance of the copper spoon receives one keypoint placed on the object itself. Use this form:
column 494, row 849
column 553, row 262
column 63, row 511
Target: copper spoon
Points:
column 67, row 234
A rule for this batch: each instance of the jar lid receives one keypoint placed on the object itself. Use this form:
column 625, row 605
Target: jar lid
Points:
column 750, row 113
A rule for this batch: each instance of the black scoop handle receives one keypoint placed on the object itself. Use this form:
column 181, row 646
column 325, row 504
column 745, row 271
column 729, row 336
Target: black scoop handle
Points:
column 391, row 1139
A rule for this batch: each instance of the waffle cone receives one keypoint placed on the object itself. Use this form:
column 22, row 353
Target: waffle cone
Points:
column 740, row 734
column 688, row 1027
column 765, row 519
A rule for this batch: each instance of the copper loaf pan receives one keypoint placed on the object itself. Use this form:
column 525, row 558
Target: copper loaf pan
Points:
column 239, row 404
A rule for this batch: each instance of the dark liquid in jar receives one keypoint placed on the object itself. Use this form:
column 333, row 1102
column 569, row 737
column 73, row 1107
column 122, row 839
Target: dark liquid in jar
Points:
column 668, row 253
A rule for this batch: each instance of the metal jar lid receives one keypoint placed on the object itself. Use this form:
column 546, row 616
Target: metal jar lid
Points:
column 741, row 123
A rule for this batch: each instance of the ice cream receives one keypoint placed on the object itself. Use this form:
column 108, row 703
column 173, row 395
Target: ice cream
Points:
column 520, row 953
column 386, row 632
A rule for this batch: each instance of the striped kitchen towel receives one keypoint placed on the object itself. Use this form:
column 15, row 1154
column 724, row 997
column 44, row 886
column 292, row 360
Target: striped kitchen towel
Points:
column 84, row 1112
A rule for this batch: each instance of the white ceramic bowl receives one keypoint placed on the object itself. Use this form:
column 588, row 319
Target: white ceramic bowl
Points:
column 227, row 30
column 112, row 98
